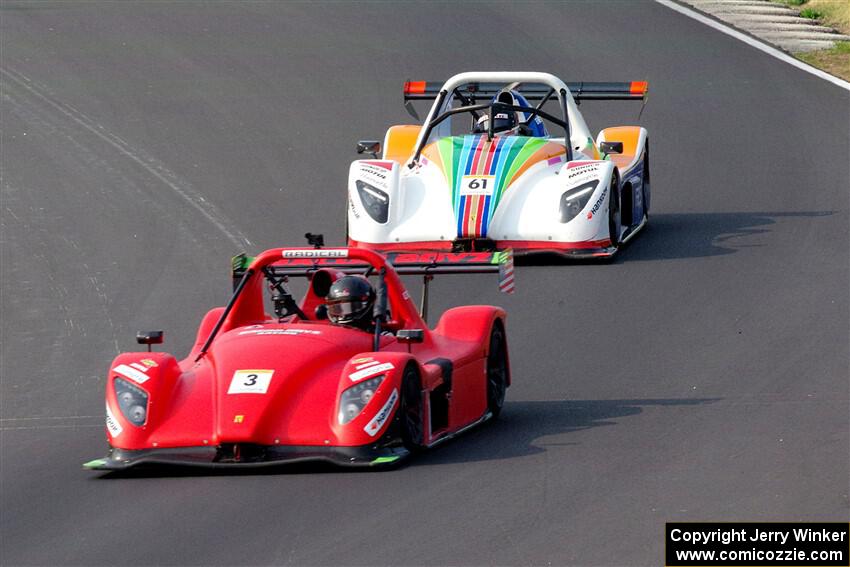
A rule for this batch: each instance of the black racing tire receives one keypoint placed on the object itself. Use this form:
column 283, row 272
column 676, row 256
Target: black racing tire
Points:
column 645, row 188
column 497, row 369
column 411, row 411
column 615, row 222
column 347, row 206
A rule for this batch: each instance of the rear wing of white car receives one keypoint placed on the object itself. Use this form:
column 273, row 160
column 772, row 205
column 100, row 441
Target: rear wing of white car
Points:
column 474, row 91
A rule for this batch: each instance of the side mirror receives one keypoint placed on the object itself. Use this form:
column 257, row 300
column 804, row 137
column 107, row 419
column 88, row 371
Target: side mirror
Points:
column 611, row 147
column 410, row 336
column 372, row 147
column 149, row 338
column 315, row 240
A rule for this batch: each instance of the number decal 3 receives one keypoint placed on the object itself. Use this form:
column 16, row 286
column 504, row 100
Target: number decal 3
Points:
column 250, row 382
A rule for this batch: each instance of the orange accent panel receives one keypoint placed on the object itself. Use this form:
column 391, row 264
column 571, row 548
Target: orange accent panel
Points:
column 401, row 140
column 547, row 151
column 638, row 87
column 414, row 87
column 629, row 136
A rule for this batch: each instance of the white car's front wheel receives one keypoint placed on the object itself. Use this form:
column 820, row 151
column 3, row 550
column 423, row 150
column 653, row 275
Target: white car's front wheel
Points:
column 614, row 218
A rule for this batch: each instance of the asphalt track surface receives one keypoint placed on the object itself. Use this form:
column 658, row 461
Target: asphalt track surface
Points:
column 703, row 375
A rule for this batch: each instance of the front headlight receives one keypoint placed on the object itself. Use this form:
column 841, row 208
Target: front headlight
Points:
column 132, row 401
column 376, row 202
column 574, row 200
column 354, row 399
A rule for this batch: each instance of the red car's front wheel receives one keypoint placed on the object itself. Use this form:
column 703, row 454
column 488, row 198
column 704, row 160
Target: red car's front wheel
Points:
column 497, row 369
column 412, row 423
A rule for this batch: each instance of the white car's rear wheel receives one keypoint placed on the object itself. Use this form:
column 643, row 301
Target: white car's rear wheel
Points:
column 645, row 185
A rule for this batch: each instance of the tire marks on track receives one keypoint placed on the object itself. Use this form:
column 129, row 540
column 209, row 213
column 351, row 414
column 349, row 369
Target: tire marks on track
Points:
column 153, row 166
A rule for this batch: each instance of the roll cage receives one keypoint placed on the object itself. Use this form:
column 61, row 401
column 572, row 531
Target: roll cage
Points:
column 469, row 88
column 246, row 305
column 492, row 108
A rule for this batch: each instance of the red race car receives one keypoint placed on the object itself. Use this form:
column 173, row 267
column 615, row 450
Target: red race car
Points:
column 351, row 374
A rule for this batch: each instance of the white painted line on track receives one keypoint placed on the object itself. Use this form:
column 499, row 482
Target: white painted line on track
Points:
column 769, row 49
column 182, row 189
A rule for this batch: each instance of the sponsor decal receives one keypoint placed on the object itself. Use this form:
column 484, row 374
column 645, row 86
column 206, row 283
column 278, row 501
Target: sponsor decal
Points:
column 140, row 367
column 378, row 163
column 261, row 332
column 112, row 424
column 311, row 262
column 375, row 184
column 597, row 204
column 583, row 178
column 131, row 373
column 405, row 295
column 238, row 418
column 366, row 364
column 250, row 382
column 317, row 253
column 374, row 426
column 582, row 173
column 373, row 170
column 353, row 208
column 365, row 359
column 372, row 370
column 401, row 258
column 149, row 363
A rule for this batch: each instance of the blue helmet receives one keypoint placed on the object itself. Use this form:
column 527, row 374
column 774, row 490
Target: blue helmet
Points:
column 522, row 123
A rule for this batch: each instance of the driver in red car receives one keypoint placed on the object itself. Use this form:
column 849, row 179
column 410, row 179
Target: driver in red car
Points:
column 350, row 301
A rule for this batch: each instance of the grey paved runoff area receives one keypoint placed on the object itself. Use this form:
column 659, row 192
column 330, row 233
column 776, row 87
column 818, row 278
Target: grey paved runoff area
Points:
column 774, row 23
column 703, row 375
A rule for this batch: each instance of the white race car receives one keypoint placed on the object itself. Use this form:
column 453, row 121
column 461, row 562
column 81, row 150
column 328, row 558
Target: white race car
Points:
column 520, row 176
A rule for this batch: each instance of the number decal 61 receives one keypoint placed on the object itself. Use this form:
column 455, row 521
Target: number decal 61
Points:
column 477, row 184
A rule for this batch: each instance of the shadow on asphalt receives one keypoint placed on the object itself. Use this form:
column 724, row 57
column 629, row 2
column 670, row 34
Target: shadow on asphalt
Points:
column 517, row 433
column 523, row 427
column 686, row 235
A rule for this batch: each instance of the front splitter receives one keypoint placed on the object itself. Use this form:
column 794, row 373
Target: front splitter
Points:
column 247, row 455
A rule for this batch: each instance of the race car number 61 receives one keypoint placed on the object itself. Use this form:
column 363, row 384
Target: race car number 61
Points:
column 477, row 184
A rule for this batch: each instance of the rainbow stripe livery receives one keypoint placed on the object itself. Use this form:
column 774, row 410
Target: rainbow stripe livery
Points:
column 495, row 164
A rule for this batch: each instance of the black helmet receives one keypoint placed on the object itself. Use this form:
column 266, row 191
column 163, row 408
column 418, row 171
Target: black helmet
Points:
column 350, row 301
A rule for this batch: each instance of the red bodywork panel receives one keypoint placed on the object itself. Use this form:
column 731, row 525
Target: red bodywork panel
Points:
column 276, row 383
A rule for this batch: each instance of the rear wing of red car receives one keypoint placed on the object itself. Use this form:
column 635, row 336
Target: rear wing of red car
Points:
column 404, row 264
column 634, row 90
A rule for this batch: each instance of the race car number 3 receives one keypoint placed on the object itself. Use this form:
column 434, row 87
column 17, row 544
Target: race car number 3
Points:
column 250, row 382
column 477, row 184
